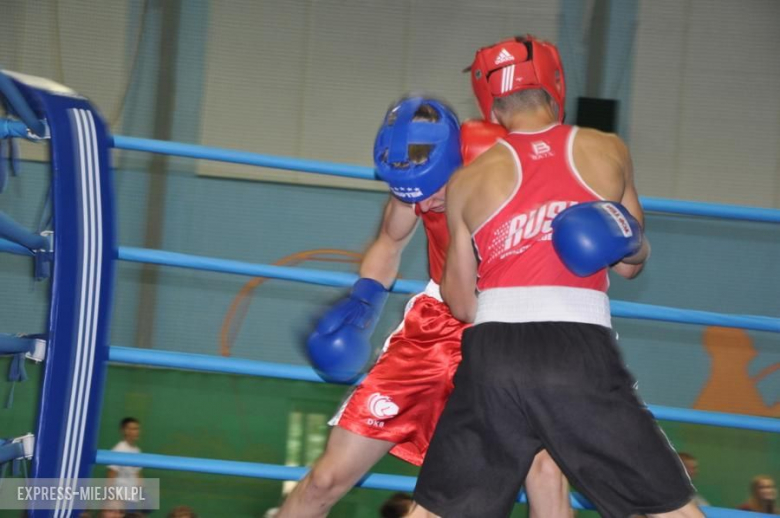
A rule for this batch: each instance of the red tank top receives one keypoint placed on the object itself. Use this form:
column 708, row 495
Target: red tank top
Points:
column 514, row 245
column 435, row 224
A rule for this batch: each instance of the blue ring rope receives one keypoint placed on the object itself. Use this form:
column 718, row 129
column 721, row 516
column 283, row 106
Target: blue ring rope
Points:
column 620, row 309
column 14, row 248
column 210, row 363
column 242, row 157
column 278, row 472
column 20, row 106
column 257, row 470
column 16, row 233
column 688, row 208
column 10, row 128
column 328, row 278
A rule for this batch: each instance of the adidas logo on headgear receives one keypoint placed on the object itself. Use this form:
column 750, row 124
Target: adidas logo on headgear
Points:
column 503, row 57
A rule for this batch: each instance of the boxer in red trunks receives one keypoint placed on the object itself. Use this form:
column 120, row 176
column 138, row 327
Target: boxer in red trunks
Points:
column 396, row 407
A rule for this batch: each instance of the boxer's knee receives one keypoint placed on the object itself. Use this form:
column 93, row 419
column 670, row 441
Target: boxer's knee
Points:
column 327, row 479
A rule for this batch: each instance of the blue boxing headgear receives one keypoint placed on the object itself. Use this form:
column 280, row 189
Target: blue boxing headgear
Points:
column 409, row 180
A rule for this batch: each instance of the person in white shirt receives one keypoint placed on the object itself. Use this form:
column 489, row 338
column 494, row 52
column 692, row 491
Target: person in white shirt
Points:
column 127, row 476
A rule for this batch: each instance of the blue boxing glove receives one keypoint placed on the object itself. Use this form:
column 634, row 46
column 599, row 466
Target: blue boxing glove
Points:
column 340, row 346
column 594, row 235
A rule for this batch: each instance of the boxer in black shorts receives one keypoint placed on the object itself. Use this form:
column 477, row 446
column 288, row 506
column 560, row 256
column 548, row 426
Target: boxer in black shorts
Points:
column 535, row 222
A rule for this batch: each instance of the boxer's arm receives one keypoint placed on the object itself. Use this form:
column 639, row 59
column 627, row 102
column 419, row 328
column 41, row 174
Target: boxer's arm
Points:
column 631, row 266
column 340, row 345
column 459, row 282
column 383, row 258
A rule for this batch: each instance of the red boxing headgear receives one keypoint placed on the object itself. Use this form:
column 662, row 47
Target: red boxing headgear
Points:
column 516, row 64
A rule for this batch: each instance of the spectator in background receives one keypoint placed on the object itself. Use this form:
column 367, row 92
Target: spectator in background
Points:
column 763, row 496
column 113, row 509
column 396, row 506
column 127, row 476
column 182, row 511
column 692, row 468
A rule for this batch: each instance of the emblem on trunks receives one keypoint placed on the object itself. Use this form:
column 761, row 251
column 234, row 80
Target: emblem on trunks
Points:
column 382, row 407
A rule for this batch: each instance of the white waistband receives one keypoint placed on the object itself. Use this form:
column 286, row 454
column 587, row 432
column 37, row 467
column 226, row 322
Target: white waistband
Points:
column 543, row 304
column 432, row 290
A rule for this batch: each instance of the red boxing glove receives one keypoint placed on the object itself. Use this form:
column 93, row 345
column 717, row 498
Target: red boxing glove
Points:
column 477, row 136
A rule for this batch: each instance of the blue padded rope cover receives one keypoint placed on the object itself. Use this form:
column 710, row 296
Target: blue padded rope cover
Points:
column 82, row 283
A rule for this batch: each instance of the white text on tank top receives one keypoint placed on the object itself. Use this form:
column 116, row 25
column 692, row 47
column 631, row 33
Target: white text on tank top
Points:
column 514, row 244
